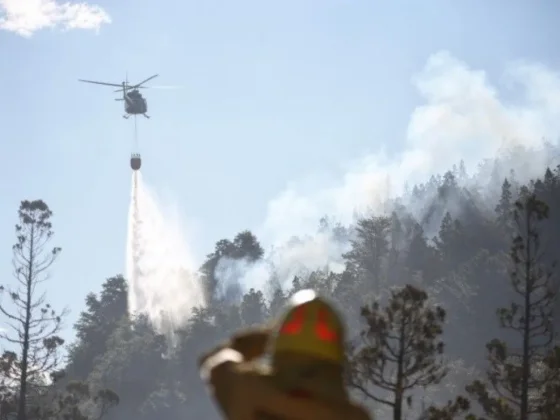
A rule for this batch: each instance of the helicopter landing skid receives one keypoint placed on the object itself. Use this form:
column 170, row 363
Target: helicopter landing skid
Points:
column 126, row 117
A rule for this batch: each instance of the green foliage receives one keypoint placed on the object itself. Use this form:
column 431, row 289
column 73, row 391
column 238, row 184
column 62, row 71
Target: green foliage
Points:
column 96, row 324
column 277, row 302
column 244, row 246
column 521, row 380
column 504, row 206
column 453, row 409
column 438, row 257
column 462, row 269
column 253, row 308
column 134, row 352
column 401, row 348
column 369, row 249
column 32, row 324
column 31, row 365
column 77, row 401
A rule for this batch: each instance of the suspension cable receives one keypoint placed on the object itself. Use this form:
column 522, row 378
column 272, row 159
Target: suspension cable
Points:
column 136, row 136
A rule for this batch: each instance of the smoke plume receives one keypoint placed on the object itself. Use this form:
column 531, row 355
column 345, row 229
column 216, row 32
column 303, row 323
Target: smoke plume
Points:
column 462, row 116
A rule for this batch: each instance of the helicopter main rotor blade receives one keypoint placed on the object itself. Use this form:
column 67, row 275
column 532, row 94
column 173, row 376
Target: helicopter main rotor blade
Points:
column 131, row 88
column 162, row 87
column 141, row 83
column 170, row 87
column 100, row 83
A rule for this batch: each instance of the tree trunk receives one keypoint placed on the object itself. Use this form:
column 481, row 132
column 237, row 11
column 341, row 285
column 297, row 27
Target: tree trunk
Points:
column 397, row 408
column 524, row 409
column 22, row 400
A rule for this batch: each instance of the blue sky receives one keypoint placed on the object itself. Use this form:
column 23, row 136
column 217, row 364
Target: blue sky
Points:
column 275, row 94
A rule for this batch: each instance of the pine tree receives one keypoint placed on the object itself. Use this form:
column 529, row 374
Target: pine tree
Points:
column 401, row 351
column 276, row 303
column 33, row 324
column 369, row 248
column 504, row 206
column 519, row 377
column 253, row 308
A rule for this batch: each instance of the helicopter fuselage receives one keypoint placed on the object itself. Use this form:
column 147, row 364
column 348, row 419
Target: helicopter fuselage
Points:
column 135, row 103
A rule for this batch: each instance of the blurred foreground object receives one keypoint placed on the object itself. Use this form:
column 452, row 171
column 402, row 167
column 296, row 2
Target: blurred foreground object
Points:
column 305, row 377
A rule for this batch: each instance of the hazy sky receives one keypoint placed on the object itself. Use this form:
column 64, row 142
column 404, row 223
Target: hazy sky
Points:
column 281, row 102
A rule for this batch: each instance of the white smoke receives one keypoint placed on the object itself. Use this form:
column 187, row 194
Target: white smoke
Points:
column 462, row 117
column 296, row 257
column 162, row 274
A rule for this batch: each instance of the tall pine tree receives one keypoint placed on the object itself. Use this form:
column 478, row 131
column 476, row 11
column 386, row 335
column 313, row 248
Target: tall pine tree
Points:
column 520, row 376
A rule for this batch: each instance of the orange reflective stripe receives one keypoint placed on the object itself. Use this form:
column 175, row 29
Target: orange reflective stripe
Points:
column 322, row 329
column 295, row 324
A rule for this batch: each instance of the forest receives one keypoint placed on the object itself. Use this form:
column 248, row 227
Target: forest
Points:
column 448, row 294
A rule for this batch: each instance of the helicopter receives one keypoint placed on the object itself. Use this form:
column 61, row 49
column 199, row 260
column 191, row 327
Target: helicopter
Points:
column 134, row 102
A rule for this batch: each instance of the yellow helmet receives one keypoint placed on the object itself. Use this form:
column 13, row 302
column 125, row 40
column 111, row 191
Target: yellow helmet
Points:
column 310, row 327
